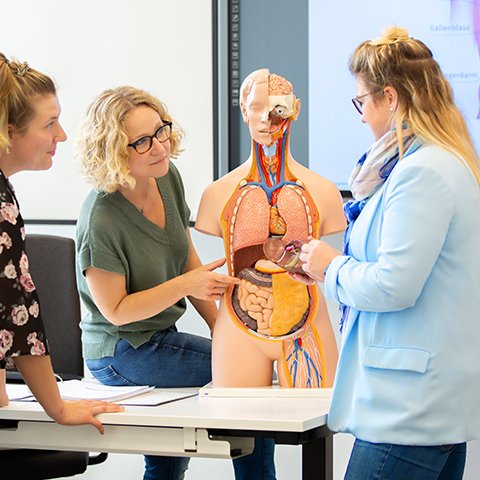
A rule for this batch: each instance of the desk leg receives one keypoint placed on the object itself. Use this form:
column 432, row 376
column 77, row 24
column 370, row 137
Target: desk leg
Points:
column 317, row 448
column 317, row 459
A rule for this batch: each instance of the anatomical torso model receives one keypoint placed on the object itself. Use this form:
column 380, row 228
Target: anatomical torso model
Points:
column 264, row 210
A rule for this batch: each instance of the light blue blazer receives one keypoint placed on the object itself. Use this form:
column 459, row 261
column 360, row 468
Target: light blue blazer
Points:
column 409, row 365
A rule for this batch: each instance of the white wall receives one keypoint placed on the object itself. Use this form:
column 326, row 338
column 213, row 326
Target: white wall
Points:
column 162, row 46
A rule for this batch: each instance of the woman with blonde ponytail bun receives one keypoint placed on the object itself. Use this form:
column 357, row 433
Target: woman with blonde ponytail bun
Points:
column 29, row 133
column 408, row 280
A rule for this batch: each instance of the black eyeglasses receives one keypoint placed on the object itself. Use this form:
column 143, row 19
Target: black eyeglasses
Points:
column 144, row 144
column 358, row 104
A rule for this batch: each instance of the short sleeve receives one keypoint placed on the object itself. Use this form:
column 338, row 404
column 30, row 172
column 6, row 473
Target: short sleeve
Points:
column 97, row 247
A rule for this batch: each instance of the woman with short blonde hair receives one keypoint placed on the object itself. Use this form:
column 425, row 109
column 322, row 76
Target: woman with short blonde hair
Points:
column 29, row 133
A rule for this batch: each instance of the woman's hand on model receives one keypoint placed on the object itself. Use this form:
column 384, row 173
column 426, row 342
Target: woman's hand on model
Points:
column 305, row 279
column 317, row 256
column 205, row 284
column 81, row 412
column 199, row 282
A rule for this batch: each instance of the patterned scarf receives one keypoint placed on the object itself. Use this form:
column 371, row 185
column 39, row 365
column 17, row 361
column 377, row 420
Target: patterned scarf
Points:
column 367, row 177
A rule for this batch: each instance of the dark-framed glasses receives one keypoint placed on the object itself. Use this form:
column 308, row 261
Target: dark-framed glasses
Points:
column 358, row 104
column 144, row 144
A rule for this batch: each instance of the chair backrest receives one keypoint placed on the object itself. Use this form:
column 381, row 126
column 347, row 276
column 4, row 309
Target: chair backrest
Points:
column 52, row 266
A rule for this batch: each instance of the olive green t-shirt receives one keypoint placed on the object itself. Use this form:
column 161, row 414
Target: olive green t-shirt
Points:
column 113, row 235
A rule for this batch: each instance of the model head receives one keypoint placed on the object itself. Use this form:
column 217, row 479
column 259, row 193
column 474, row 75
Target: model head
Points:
column 102, row 147
column 267, row 103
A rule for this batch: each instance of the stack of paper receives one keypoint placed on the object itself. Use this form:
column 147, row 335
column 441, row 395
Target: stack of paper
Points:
column 78, row 390
column 19, row 393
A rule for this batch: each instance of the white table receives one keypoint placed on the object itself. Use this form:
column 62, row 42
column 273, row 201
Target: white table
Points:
column 196, row 426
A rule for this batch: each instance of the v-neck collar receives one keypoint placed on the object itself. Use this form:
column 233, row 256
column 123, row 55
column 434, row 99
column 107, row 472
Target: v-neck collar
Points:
column 165, row 235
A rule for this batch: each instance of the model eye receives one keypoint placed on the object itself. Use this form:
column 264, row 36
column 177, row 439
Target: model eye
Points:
column 280, row 110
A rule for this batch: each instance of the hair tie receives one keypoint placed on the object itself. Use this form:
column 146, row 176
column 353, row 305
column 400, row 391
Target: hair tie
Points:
column 22, row 69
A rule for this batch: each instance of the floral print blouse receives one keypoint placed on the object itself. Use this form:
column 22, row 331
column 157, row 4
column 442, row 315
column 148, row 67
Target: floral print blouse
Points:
column 21, row 327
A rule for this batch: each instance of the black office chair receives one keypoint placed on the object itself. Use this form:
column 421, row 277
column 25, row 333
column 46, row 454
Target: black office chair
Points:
column 52, row 266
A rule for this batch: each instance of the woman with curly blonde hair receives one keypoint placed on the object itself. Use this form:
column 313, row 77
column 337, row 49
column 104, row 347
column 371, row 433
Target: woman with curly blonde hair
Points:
column 408, row 281
column 102, row 143
column 135, row 259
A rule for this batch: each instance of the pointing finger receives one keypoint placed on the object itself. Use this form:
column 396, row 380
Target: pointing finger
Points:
column 214, row 265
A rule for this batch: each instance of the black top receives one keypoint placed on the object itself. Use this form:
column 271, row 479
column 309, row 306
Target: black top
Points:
column 21, row 327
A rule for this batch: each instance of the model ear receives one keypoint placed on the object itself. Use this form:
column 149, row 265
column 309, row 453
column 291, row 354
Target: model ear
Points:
column 298, row 105
column 243, row 109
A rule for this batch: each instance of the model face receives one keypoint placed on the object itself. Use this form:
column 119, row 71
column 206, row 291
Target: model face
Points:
column 34, row 149
column 257, row 113
column 267, row 114
column 140, row 122
column 377, row 115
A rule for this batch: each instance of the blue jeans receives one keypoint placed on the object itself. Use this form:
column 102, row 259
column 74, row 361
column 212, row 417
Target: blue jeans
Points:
column 175, row 359
column 372, row 461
